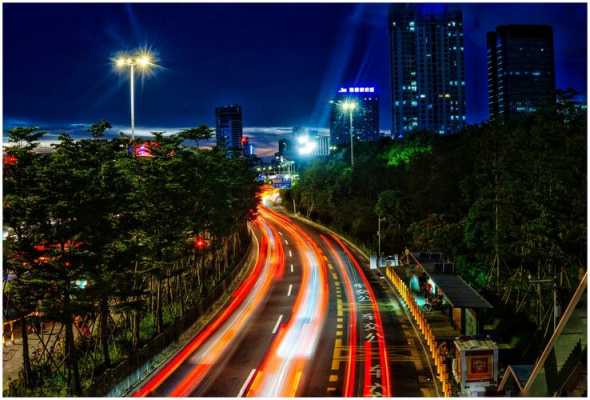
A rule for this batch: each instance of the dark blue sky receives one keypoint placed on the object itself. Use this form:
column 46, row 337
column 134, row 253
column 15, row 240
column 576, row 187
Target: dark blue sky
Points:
column 281, row 62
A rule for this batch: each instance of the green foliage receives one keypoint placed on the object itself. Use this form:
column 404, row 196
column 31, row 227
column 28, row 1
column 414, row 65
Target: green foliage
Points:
column 510, row 194
column 404, row 153
column 126, row 226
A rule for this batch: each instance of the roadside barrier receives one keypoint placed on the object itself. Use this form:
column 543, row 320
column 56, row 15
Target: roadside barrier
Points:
column 422, row 323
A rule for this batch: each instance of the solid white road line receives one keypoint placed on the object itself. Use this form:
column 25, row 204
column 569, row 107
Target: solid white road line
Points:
column 246, row 383
column 277, row 324
column 291, row 267
column 290, row 289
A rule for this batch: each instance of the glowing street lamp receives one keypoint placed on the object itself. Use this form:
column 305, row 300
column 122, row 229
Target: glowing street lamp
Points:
column 350, row 106
column 144, row 61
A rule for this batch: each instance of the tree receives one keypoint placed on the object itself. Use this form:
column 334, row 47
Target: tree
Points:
column 200, row 133
column 98, row 128
column 23, row 211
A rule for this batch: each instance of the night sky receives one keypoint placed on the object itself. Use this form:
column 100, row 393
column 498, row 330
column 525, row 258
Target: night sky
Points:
column 281, row 62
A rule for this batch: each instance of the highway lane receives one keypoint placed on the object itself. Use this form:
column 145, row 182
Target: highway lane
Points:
column 308, row 321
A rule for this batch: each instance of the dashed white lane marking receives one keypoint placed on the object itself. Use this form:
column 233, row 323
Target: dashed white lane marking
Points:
column 277, row 324
column 291, row 267
column 286, row 242
column 280, row 233
column 246, row 383
column 290, row 289
column 290, row 253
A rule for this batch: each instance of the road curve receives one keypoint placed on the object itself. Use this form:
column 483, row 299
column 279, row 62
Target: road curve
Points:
column 309, row 320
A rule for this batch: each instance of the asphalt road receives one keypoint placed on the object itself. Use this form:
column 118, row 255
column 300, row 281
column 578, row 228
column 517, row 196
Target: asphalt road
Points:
column 310, row 320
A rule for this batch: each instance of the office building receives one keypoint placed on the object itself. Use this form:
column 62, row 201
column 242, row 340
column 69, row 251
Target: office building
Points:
column 228, row 124
column 365, row 115
column 427, row 70
column 521, row 73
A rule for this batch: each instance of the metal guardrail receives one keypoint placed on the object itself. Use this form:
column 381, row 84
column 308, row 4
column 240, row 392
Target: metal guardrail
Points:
column 425, row 329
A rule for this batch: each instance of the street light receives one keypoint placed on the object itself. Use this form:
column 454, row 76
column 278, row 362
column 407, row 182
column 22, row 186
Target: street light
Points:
column 144, row 61
column 350, row 106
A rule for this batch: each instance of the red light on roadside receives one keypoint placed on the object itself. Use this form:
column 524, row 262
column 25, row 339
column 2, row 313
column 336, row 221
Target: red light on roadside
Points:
column 9, row 159
column 200, row 243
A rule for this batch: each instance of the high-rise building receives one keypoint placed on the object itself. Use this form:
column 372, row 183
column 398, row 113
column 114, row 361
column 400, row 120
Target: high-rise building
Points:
column 427, row 72
column 228, row 124
column 521, row 73
column 365, row 115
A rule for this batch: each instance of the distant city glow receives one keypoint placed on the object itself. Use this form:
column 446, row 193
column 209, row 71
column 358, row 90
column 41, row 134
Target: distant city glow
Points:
column 306, row 146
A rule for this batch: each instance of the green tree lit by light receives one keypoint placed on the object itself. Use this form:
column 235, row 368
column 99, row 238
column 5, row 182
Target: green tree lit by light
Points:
column 404, row 153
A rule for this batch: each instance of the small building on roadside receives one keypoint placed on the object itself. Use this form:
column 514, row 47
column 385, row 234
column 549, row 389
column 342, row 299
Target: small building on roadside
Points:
column 465, row 307
column 475, row 365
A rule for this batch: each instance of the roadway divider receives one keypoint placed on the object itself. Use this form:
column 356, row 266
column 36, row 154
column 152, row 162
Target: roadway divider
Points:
column 424, row 327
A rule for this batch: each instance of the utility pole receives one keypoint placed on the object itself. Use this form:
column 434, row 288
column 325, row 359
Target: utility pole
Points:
column 540, row 282
column 379, row 219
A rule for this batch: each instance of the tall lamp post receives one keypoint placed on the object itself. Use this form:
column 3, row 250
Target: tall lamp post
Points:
column 350, row 106
column 143, row 60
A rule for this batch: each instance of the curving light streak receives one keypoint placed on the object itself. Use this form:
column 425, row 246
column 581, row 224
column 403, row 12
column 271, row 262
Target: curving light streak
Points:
column 212, row 342
column 349, row 375
column 383, row 359
column 294, row 345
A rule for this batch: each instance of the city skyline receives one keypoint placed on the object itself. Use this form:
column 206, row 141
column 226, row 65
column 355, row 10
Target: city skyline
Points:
column 70, row 80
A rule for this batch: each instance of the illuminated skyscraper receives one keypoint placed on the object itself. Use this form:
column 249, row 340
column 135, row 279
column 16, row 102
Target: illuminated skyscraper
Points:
column 228, row 124
column 427, row 73
column 365, row 116
column 521, row 73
